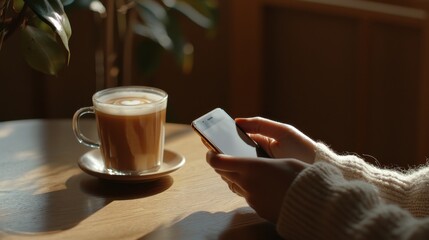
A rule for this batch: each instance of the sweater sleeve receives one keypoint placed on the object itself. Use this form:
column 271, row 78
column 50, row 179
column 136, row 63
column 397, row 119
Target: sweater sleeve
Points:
column 322, row 204
column 408, row 189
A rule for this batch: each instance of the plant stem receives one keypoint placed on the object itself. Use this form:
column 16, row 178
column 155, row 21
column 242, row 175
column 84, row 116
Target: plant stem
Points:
column 16, row 22
column 3, row 15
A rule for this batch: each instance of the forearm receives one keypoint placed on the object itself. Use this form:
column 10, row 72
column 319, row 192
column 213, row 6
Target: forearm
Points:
column 408, row 189
column 321, row 204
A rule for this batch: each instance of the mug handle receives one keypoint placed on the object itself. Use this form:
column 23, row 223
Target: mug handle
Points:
column 76, row 128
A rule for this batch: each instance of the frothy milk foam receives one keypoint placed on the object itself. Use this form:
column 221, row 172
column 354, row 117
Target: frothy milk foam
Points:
column 130, row 103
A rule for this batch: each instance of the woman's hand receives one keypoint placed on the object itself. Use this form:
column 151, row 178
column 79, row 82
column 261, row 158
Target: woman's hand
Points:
column 263, row 182
column 279, row 140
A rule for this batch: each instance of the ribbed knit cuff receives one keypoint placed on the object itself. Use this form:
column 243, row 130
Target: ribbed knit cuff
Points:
column 302, row 206
column 319, row 199
column 407, row 189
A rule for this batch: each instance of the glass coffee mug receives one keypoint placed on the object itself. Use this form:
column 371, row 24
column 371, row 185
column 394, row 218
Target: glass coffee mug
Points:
column 131, row 128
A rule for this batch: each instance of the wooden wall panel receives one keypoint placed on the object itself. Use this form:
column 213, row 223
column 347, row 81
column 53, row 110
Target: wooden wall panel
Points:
column 352, row 73
column 393, row 93
column 310, row 73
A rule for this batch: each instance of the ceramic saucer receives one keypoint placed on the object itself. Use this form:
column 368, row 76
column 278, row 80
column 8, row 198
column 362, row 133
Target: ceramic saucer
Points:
column 93, row 164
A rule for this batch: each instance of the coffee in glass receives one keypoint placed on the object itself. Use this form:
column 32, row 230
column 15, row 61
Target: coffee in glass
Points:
column 131, row 126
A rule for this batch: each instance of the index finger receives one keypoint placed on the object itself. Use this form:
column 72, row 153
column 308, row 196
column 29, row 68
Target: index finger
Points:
column 263, row 126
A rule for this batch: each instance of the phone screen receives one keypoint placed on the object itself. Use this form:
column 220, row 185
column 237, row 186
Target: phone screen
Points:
column 222, row 133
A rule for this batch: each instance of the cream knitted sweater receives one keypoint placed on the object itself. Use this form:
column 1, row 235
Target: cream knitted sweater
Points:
column 343, row 197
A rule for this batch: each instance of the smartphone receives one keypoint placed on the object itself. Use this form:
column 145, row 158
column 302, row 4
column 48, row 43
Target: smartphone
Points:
column 220, row 133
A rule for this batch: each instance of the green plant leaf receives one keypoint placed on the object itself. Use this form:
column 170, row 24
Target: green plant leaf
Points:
column 52, row 12
column 154, row 23
column 41, row 51
column 161, row 26
column 201, row 12
column 17, row 5
column 67, row 2
column 154, row 8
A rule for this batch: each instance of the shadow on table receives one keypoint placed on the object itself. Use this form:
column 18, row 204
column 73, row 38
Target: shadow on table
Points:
column 242, row 223
column 63, row 209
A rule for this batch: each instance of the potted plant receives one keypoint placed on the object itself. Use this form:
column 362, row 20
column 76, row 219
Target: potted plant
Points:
column 45, row 28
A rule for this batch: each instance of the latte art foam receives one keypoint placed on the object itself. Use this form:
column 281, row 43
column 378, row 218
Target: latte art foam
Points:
column 130, row 103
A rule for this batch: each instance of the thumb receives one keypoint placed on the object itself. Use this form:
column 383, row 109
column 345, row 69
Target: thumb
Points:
column 263, row 126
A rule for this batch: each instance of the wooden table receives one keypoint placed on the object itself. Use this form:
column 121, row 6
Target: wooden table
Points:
column 45, row 195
